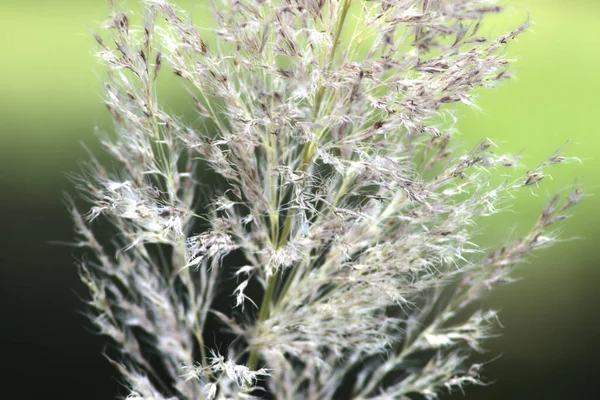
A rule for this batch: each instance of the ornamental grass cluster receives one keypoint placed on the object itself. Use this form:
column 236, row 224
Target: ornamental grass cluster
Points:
column 310, row 233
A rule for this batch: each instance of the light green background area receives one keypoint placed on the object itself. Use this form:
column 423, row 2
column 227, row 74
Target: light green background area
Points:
column 50, row 89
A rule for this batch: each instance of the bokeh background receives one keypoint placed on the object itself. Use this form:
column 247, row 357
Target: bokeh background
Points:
column 50, row 90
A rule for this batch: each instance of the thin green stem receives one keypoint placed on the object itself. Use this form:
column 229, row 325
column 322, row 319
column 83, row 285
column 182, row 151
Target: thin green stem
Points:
column 280, row 240
column 334, row 47
column 294, row 274
column 265, row 310
column 309, row 148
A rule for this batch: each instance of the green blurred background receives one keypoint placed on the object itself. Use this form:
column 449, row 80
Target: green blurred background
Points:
column 50, row 87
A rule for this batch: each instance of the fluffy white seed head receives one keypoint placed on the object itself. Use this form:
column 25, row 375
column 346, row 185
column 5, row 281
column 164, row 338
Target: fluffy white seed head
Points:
column 324, row 157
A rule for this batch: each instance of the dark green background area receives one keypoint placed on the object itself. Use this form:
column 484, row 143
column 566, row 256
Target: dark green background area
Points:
column 50, row 90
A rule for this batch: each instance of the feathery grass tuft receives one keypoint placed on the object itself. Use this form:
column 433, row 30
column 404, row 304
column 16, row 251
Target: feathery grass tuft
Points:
column 324, row 156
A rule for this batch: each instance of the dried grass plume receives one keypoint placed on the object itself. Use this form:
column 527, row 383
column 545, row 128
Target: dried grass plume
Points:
column 324, row 157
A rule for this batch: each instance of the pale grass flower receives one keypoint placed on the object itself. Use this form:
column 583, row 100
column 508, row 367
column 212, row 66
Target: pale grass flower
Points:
column 323, row 156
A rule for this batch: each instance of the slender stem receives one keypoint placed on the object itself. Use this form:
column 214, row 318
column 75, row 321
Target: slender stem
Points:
column 295, row 272
column 280, row 240
column 265, row 307
column 309, row 148
column 265, row 310
column 334, row 47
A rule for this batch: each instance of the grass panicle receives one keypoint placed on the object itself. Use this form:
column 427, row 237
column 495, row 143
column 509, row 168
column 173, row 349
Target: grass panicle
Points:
column 322, row 175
